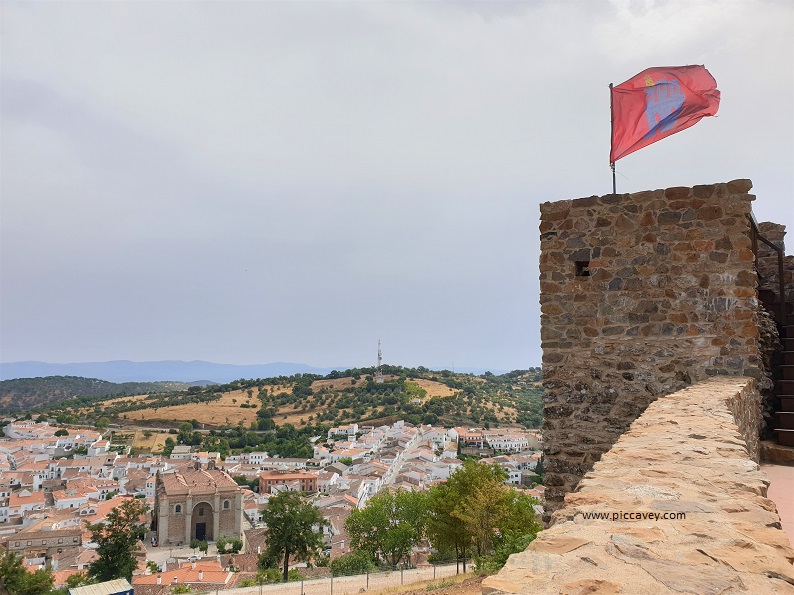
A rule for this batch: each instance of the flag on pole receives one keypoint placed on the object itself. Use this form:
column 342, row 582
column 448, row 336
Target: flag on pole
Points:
column 659, row 102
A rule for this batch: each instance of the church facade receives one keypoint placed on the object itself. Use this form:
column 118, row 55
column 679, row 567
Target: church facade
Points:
column 195, row 503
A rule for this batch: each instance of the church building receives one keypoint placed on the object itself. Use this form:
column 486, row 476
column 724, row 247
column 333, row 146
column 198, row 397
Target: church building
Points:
column 196, row 503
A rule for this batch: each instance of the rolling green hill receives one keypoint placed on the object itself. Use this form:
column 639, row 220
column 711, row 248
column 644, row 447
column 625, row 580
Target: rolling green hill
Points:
column 26, row 394
column 417, row 395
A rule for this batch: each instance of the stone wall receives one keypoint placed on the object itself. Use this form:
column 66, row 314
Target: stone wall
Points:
column 767, row 258
column 686, row 456
column 641, row 295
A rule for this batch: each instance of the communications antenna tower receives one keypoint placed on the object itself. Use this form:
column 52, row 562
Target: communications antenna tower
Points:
column 378, row 373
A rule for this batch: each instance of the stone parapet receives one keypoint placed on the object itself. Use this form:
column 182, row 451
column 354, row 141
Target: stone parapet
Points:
column 685, row 456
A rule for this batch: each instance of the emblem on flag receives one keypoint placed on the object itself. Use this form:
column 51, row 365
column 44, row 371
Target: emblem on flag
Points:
column 659, row 102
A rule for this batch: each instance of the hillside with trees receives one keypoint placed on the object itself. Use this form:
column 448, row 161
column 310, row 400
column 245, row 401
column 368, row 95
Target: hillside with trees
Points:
column 23, row 394
column 417, row 395
column 280, row 415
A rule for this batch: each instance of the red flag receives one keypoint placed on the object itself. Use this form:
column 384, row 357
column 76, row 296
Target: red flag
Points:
column 659, row 102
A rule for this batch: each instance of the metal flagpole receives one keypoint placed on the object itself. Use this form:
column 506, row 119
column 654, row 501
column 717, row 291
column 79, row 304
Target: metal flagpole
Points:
column 612, row 137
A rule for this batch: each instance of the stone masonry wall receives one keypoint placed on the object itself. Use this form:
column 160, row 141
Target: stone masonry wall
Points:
column 771, row 347
column 685, row 459
column 767, row 258
column 641, row 295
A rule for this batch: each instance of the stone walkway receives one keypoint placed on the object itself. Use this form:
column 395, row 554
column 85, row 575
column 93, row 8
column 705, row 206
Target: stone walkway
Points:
column 781, row 492
column 676, row 506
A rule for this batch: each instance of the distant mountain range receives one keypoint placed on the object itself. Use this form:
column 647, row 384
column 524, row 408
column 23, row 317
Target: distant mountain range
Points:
column 194, row 372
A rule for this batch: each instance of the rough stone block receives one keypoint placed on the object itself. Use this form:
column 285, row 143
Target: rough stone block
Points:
column 668, row 218
column 739, row 186
column 579, row 203
column 703, row 191
column 677, row 192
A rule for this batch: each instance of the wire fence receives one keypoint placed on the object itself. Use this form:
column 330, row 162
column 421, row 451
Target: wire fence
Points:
column 355, row 583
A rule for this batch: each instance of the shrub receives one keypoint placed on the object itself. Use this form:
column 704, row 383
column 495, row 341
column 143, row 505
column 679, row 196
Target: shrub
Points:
column 221, row 544
column 511, row 544
column 356, row 562
column 295, row 575
column 236, row 545
column 268, row 575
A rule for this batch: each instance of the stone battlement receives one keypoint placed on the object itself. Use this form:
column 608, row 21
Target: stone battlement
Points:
column 685, row 455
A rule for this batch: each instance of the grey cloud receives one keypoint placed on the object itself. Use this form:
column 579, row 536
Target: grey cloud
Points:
column 253, row 182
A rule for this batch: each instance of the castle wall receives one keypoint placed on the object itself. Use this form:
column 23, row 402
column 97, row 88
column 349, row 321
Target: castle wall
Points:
column 708, row 526
column 641, row 295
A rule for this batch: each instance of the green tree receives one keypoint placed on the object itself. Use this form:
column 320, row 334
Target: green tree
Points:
column 116, row 539
column 81, row 578
column 494, row 512
column 102, row 423
column 481, row 513
column 62, row 432
column 294, row 530
column 216, row 444
column 390, row 525
column 447, row 528
column 476, row 512
column 221, row 544
column 539, row 471
column 185, row 431
column 236, row 545
column 15, row 580
column 168, row 447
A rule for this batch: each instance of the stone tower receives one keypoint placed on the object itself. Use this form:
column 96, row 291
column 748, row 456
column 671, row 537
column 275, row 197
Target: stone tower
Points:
column 641, row 294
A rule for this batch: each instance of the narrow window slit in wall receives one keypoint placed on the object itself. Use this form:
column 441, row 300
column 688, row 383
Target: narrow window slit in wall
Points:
column 582, row 268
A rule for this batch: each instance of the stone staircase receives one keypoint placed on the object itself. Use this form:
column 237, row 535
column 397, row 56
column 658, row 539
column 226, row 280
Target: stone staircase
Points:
column 782, row 310
column 776, row 294
column 784, row 426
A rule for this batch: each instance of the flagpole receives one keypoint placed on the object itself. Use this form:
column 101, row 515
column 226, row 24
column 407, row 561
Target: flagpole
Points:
column 612, row 137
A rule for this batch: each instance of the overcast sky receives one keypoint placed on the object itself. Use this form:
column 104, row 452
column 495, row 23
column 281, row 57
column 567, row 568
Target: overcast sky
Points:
column 248, row 182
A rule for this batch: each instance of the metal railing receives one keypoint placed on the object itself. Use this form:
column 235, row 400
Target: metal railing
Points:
column 755, row 235
column 355, row 583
